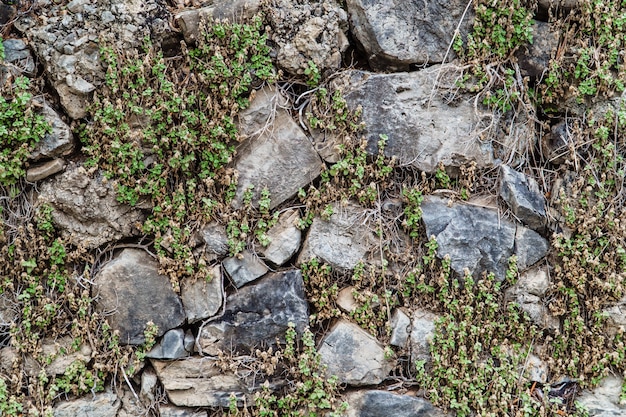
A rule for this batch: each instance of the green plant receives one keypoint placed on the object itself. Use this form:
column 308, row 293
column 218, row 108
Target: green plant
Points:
column 313, row 74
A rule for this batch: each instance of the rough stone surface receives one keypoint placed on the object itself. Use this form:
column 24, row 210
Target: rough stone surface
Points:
column 170, row 411
column 63, row 355
column 277, row 154
column 215, row 239
column 131, row 290
column 423, row 127
column 259, row 312
column 44, row 170
column 376, row 403
column 478, row 239
column 198, row 382
column 306, row 32
column 86, row 209
column 59, row 142
column 189, row 21
column 617, row 315
column 203, row 298
column 353, row 355
column 604, row 400
column 534, row 58
column 18, row 59
column 345, row 300
column 398, row 33
column 342, row 241
column 564, row 4
column 523, row 196
column 285, row 238
column 171, row 346
column 99, row 405
column 529, row 291
column 400, row 327
column 422, row 331
column 244, row 267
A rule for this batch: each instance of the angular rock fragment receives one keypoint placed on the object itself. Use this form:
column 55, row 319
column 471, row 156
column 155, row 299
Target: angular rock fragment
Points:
column 353, row 355
column 534, row 58
column 44, row 170
column 171, row 411
column 131, row 292
column 422, row 332
column 396, row 34
column 258, row 313
column 477, row 238
column 528, row 293
column 285, row 238
column 171, row 346
column 59, row 142
column 86, row 209
column 375, row 403
column 523, row 196
column 400, row 327
column 244, row 267
column 203, row 298
column 425, row 124
column 277, row 154
column 604, row 400
column 216, row 240
column 342, row 241
column 105, row 404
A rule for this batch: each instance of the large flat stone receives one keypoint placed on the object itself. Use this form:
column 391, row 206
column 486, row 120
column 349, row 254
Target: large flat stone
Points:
column 258, row 313
column 375, row 403
column 130, row 291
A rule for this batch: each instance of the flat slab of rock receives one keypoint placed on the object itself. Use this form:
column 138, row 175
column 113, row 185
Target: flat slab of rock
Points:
column 342, row 241
column 86, row 209
column 198, row 382
column 422, row 332
column 397, row 33
column 44, row 170
column 203, row 298
column 477, row 238
column 285, row 238
column 375, row 403
column 105, row 404
column 244, row 267
column 422, row 127
column 604, row 400
column 354, row 355
column 523, row 196
column 258, row 313
column 277, row 154
column 132, row 291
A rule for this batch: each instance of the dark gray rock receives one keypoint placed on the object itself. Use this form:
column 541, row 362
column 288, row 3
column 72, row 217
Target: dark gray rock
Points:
column 203, row 298
column 376, row 403
column 398, row 33
column 354, row 355
column 477, row 238
column 171, row 346
column 425, row 121
column 19, row 57
column 276, row 155
column 130, row 290
column 59, row 142
column 534, row 58
column 342, row 241
column 244, row 267
column 258, row 313
column 86, row 209
column 523, row 196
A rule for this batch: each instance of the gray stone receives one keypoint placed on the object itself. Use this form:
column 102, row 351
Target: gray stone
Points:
column 17, row 54
column 528, row 293
column 130, row 290
column 422, row 332
column 216, row 239
column 40, row 171
column 319, row 36
column 198, row 382
column 149, row 382
column 285, row 238
column 258, row 313
column 523, row 196
column 400, row 325
column 425, row 121
column 203, row 298
column 62, row 354
column 244, row 267
column 477, row 238
column 79, row 85
column 354, row 355
column 345, row 300
column 617, row 316
column 189, row 21
column 534, row 58
column 76, row 6
column 342, row 241
column 104, row 404
column 561, row 4
column 604, row 400
column 536, row 369
column 397, row 33
column 86, row 209
column 75, row 105
column 278, row 156
column 374, row 403
column 530, row 247
column 171, row 346
column 170, row 411
column 59, row 142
